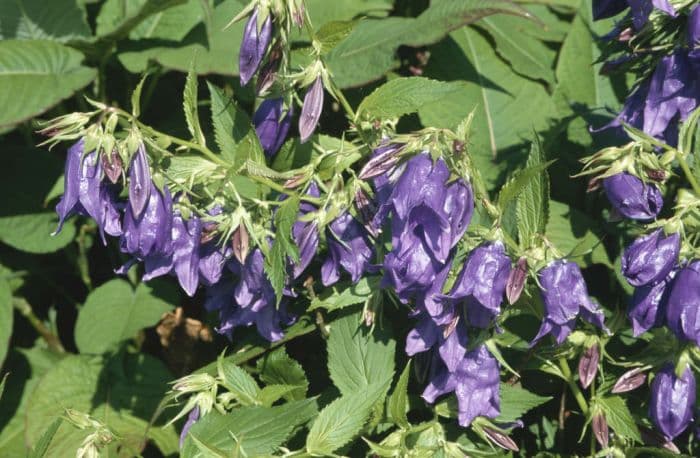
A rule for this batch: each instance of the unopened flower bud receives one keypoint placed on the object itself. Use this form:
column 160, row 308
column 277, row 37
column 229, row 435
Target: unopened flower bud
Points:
column 516, row 281
column 253, row 46
column 672, row 401
column 500, row 439
column 240, row 243
column 588, row 365
column 311, row 110
column 139, row 181
column 112, row 165
column 384, row 159
column 600, row 429
column 630, row 380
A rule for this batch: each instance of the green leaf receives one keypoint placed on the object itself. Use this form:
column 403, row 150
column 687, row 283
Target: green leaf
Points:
column 42, row 446
column 516, row 401
column 273, row 393
column 332, row 33
column 6, row 319
column 576, row 234
column 283, row 246
column 55, row 20
column 358, row 357
column 189, row 104
column 341, row 420
column 258, row 430
column 239, row 382
column 518, row 182
column 532, row 207
column 32, row 233
column 619, row 417
column 118, row 18
column 113, row 313
column 277, row 368
column 136, row 97
column 36, row 75
column 398, row 401
column 357, row 293
column 369, row 51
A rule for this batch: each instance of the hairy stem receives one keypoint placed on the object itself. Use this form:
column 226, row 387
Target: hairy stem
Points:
column 26, row 310
column 688, row 174
column 578, row 395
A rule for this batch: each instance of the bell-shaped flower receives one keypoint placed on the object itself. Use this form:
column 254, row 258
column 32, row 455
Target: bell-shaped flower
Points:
column 349, row 247
column 481, row 284
column 253, row 46
column 150, row 233
column 272, row 122
column 633, row 198
column 311, row 110
column 648, row 306
column 565, row 295
column 423, row 336
column 650, row 258
column 305, row 234
column 693, row 31
column 212, row 259
column 672, row 401
column 139, row 181
column 476, row 383
column 186, row 252
column 683, row 306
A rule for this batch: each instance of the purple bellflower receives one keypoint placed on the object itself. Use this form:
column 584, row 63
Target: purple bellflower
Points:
column 683, row 306
column 272, row 123
column 305, row 234
column 672, row 401
column 311, row 110
column 565, row 295
column 632, row 198
column 423, row 336
column 139, row 181
column 693, row 32
column 481, row 284
column 641, row 9
column 650, row 258
column 150, row 233
column 253, row 46
column 191, row 420
column 648, row 305
column 349, row 247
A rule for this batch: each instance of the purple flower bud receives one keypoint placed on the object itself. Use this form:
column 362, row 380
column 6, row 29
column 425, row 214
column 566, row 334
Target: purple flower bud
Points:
column 608, row 8
column 268, row 72
column 500, row 439
column 672, row 401
column 71, row 184
column 305, row 234
column 186, row 237
column 139, row 181
column 349, row 247
column 150, row 233
column 600, row 429
column 588, row 365
column 648, row 305
column 633, row 198
column 516, row 281
column 112, row 165
column 565, row 296
column 272, row 123
column 191, row 420
column 311, row 110
column 693, row 33
column 630, row 380
column 253, row 46
column 384, row 159
column 241, row 243
column 682, row 315
column 481, row 283
column 650, row 258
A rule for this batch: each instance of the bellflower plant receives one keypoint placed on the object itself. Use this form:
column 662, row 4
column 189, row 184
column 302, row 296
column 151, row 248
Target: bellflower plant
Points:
column 650, row 258
column 256, row 39
column 683, row 302
column 272, row 123
column 672, row 401
column 633, row 198
column 349, row 247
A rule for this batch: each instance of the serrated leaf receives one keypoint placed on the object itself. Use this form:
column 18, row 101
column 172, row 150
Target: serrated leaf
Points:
column 136, row 97
column 42, row 445
column 258, row 430
column 239, row 382
column 113, row 313
column 189, row 105
column 576, row 234
column 337, row 297
column 283, row 246
column 36, row 75
column 278, row 368
column 359, row 357
column 532, row 206
column 398, row 401
column 6, row 319
column 273, row 393
column 332, row 33
column 619, row 417
column 118, row 18
column 341, row 420
column 516, row 401
column 517, row 183
column 55, row 20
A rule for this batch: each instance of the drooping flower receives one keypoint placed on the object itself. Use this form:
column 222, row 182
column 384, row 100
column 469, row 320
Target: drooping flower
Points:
column 349, row 247
column 693, row 31
column 423, row 336
column 311, row 110
column 139, row 181
column 150, row 233
column 683, row 306
column 305, row 234
column 648, row 306
column 481, row 284
column 633, row 198
column 672, row 401
column 650, row 258
column 212, row 259
column 565, row 295
column 272, row 122
column 191, row 420
column 186, row 252
column 253, row 46
column 475, row 383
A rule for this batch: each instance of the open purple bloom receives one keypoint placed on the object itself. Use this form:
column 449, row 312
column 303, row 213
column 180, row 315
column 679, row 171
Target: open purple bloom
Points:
column 481, row 283
column 150, row 233
column 311, row 110
column 648, row 305
column 453, row 348
column 272, row 123
column 632, row 198
column 139, row 181
column 211, row 262
column 565, row 295
column 423, row 336
column 683, row 306
column 693, row 32
column 349, row 247
column 672, row 401
column 305, row 234
column 186, row 253
column 253, row 46
column 650, row 258
column 475, row 382
column 641, row 9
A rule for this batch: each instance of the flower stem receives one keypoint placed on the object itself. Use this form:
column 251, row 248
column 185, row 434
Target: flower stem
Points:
column 26, row 310
column 688, row 174
column 578, row 395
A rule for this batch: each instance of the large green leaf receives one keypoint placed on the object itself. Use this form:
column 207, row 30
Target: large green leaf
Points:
column 113, row 313
column 506, row 106
column 57, row 20
column 258, row 430
column 532, row 206
column 358, row 357
column 575, row 234
column 36, row 75
column 369, row 51
column 516, row 401
column 171, row 20
column 277, row 368
column 118, row 18
column 345, row 294
column 31, row 233
column 6, row 318
column 619, row 417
